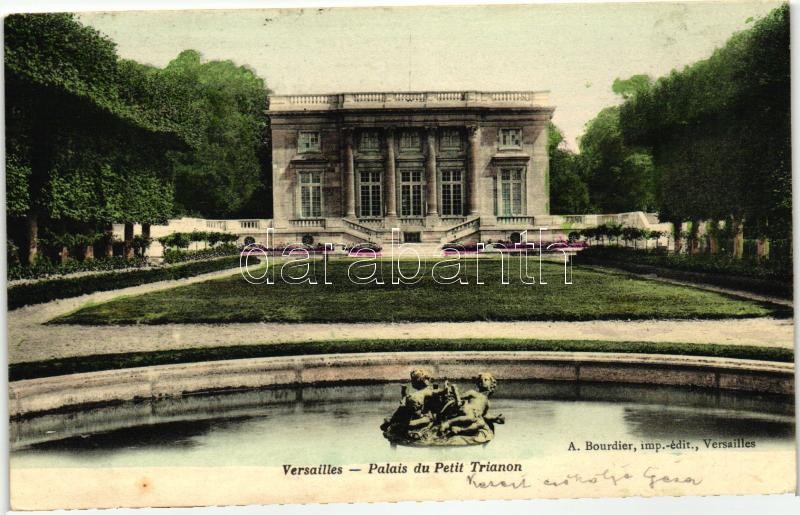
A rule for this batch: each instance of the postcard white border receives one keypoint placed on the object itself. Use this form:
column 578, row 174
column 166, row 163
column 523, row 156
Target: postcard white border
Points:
column 662, row 505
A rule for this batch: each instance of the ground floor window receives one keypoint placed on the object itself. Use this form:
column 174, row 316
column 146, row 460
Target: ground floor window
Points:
column 452, row 192
column 412, row 237
column 511, row 191
column 411, row 193
column 370, row 194
column 310, row 194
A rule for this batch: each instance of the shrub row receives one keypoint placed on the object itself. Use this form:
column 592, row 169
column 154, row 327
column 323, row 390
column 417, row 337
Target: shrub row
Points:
column 183, row 239
column 45, row 291
column 181, row 256
column 44, row 267
column 716, row 270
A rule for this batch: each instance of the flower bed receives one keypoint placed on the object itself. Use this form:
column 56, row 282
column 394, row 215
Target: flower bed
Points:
column 511, row 247
column 284, row 250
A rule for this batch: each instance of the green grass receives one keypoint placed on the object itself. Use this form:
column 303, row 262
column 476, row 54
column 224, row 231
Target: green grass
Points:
column 594, row 295
column 93, row 363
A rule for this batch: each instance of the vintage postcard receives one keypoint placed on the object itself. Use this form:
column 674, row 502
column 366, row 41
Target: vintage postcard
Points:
column 316, row 255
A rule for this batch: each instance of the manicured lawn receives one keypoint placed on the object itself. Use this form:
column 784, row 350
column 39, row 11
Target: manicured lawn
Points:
column 73, row 365
column 593, row 295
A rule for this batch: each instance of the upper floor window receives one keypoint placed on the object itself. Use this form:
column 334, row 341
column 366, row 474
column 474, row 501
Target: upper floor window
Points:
column 369, row 142
column 310, row 194
column 510, row 138
column 308, row 141
column 451, row 139
column 410, row 141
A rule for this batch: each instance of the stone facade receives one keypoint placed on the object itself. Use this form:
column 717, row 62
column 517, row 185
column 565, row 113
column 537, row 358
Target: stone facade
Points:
column 440, row 166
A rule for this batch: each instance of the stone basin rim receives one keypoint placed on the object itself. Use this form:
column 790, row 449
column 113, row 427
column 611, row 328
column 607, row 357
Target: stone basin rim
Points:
column 90, row 388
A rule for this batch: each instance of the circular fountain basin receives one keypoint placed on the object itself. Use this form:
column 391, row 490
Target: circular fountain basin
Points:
column 339, row 425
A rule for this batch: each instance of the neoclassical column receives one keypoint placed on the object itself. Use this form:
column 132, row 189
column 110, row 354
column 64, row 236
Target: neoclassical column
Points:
column 474, row 175
column 430, row 168
column 349, row 174
column 391, row 179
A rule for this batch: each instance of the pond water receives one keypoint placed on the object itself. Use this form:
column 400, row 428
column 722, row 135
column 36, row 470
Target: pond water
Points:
column 339, row 425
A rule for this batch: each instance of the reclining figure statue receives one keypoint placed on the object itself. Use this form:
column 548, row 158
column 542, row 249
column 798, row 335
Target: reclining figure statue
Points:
column 431, row 415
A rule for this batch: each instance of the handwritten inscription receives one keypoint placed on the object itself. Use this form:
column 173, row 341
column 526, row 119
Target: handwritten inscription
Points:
column 516, row 484
column 652, row 475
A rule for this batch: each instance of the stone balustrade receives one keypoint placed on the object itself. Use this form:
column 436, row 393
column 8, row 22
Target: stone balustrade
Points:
column 411, row 99
column 306, row 222
column 515, row 220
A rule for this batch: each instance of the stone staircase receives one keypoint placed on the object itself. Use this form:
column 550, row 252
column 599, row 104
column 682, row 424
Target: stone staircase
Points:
column 461, row 230
column 362, row 231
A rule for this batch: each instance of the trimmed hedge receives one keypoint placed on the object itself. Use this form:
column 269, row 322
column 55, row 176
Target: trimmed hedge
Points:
column 718, row 271
column 45, row 267
column 45, row 291
column 181, row 256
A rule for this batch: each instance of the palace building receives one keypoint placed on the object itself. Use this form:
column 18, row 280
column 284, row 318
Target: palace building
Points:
column 439, row 166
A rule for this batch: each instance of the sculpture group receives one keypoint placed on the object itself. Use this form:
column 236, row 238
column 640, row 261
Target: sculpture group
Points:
column 432, row 415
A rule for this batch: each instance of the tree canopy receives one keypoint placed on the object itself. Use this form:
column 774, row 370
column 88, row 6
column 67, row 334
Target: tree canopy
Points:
column 607, row 175
column 78, row 114
column 719, row 131
column 568, row 191
column 94, row 139
column 224, row 172
column 620, row 178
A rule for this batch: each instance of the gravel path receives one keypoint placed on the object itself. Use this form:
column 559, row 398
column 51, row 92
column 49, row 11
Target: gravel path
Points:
column 30, row 340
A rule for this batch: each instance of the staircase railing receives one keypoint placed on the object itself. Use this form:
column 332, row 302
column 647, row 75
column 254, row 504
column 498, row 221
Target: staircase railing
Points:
column 361, row 228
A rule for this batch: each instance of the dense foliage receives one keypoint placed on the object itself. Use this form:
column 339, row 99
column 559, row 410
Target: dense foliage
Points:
column 87, row 133
column 608, row 175
column 719, row 131
column 620, row 178
column 93, row 139
column 221, row 177
column 569, row 193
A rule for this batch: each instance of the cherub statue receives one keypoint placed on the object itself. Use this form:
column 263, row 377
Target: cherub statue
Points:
column 415, row 411
column 473, row 418
column 433, row 415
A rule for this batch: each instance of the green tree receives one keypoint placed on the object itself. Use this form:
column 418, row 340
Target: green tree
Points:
column 630, row 87
column 719, row 131
column 226, row 171
column 569, row 193
column 620, row 178
column 87, row 133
